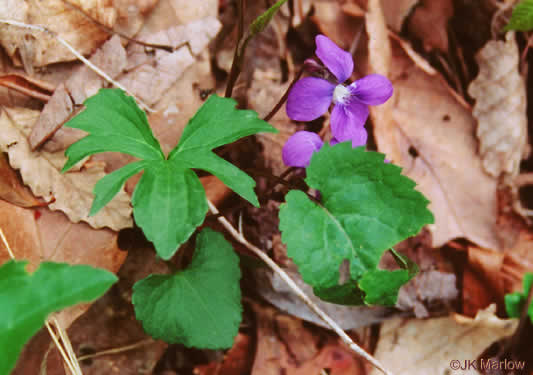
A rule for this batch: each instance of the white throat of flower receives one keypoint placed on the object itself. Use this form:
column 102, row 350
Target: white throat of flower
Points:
column 341, row 94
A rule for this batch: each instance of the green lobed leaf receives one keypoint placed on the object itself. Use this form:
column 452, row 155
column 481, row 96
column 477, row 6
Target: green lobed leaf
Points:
column 114, row 123
column 109, row 185
column 522, row 17
column 261, row 22
column 169, row 201
column 27, row 299
column 514, row 302
column 216, row 123
column 168, row 204
column 200, row 306
column 367, row 207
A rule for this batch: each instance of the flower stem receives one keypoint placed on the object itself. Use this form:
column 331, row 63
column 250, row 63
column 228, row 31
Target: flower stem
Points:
column 285, row 96
column 239, row 52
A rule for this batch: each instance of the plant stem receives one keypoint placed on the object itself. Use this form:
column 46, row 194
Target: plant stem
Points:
column 285, row 96
column 239, row 52
column 296, row 289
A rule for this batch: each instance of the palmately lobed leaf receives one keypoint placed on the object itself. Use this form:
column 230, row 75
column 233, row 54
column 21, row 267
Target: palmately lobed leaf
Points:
column 114, row 123
column 367, row 207
column 27, row 299
column 169, row 201
column 200, row 306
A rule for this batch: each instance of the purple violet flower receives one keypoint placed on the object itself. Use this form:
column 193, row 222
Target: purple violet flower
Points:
column 299, row 148
column 311, row 97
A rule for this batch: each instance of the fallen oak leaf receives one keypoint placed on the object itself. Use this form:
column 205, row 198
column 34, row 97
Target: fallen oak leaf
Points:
column 73, row 192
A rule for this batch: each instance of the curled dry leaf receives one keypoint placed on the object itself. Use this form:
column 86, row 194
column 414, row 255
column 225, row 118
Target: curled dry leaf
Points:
column 425, row 130
column 12, row 190
column 421, row 347
column 500, row 107
column 27, row 85
column 71, row 192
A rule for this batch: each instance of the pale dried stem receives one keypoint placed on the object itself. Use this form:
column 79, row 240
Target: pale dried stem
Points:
column 117, row 350
column 70, row 358
column 79, row 56
column 296, row 289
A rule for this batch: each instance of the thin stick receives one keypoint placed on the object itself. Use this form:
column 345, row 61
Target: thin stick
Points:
column 67, row 345
column 239, row 51
column 6, row 244
column 79, row 56
column 61, row 350
column 117, row 350
column 296, row 289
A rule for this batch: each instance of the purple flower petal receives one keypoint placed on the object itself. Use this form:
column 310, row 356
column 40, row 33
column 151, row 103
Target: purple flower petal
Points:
column 299, row 148
column 373, row 89
column 347, row 122
column 309, row 99
column 338, row 61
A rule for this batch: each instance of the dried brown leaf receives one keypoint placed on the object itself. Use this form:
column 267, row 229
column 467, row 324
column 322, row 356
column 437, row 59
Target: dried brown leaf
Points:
column 272, row 288
column 429, row 23
column 153, row 76
column 421, row 347
column 41, row 49
column 263, row 94
column 71, row 192
column 335, row 23
column 500, row 107
column 396, row 12
column 424, row 129
column 82, row 83
column 11, row 188
column 286, row 346
column 379, row 57
column 30, row 86
column 56, row 112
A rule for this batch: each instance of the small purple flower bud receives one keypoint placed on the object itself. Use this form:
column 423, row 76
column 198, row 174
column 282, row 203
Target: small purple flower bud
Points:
column 299, row 148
